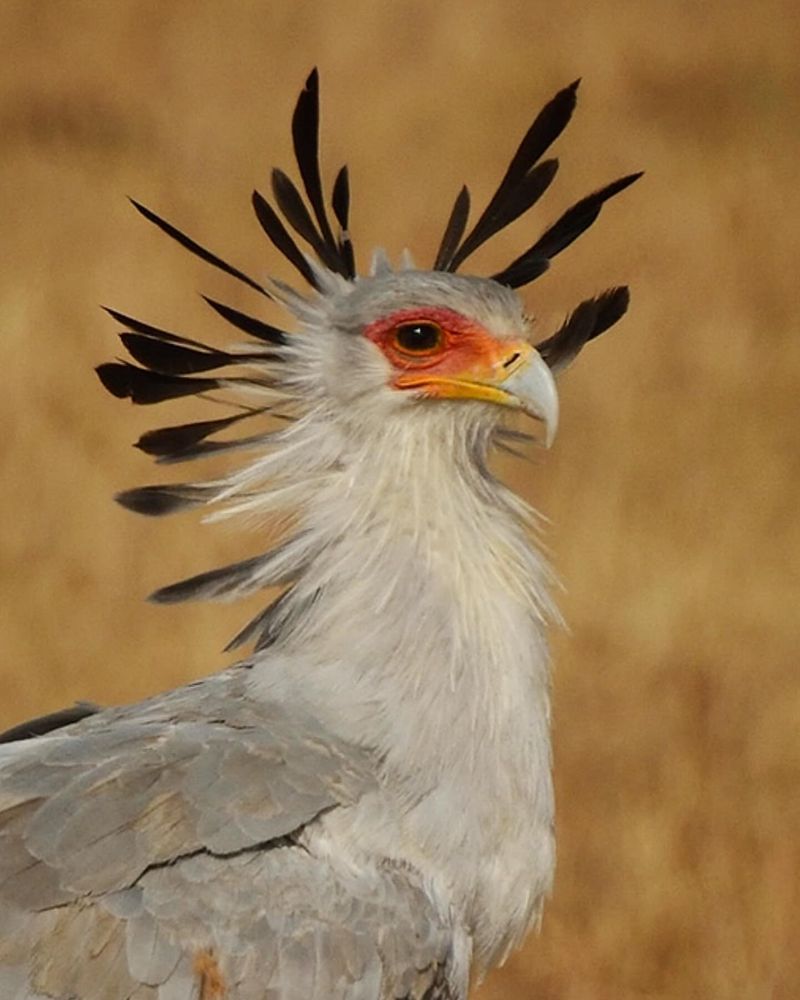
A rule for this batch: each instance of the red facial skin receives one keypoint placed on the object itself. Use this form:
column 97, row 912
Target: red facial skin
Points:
column 466, row 349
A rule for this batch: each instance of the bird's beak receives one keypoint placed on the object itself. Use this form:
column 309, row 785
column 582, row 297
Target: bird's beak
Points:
column 515, row 376
column 530, row 386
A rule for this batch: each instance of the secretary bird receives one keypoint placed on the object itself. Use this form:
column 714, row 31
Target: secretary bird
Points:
column 362, row 808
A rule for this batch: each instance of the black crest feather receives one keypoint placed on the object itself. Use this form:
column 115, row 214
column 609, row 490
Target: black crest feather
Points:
column 199, row 251
column 453, row 232
column 305, row 135
column 565, row 230
column 591, row 318
column 176, row 359
column 152, row 331
column 341, row 209
column 340, row 199
column 238, row 578
column 155, row 501
column 171, row 442
column 529, row 190
column 248, row 324
column 214, row 584
column 279, row 236
column 124, row 380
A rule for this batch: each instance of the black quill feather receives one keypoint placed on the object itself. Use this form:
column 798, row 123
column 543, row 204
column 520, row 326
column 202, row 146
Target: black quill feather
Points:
column 280, row 238
column 296, row 214
column 524, row 196
column 591, row 318
column 216, row 583
column 341, row 198
column 176, row 359
column 578, row 218
column 565, row 230
column 205, row 449
column 453, row 232
column 249, row 324
column 199, row 251
column 155, row 501
column 341, row 210
column 612, row 306
column 546, row 128
column 514, row 195
column 170, row 441
column 305, row 135
column 153, row 331
column 124, row 380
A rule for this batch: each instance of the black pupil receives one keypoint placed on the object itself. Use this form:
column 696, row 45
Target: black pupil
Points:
column 418, row 336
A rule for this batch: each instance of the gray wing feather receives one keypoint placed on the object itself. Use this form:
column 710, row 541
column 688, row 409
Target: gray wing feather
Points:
column 201, row 768
column 146, row 853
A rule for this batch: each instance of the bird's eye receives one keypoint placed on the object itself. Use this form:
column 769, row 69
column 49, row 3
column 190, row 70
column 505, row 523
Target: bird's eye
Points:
column 418, row 338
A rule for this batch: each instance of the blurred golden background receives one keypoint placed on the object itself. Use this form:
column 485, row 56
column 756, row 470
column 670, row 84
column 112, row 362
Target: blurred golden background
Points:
column 672, row 487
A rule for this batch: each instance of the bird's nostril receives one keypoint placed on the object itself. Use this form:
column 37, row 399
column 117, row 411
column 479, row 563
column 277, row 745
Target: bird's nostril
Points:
column 510, row 361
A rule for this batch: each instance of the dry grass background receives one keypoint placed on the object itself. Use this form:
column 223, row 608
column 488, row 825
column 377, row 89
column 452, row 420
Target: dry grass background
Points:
column 672, row 487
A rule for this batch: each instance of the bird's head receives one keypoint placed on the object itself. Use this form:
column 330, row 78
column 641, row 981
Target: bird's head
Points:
column 366, row 351
column 409, row 338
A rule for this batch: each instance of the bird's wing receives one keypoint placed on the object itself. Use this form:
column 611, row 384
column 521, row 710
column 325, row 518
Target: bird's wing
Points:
column 150, row 853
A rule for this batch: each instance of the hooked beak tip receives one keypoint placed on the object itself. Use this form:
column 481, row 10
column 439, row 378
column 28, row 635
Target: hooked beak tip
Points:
column 533, row 386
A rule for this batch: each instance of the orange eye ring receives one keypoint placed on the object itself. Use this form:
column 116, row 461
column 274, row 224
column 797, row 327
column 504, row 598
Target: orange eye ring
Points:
column 418, row 338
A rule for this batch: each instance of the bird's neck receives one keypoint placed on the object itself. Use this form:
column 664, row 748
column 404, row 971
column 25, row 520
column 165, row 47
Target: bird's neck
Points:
column 419, row 623
column 422, row 637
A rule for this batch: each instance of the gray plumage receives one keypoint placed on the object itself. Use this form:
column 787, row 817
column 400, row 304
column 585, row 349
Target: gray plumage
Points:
column 363, row 808
column 139, row 845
